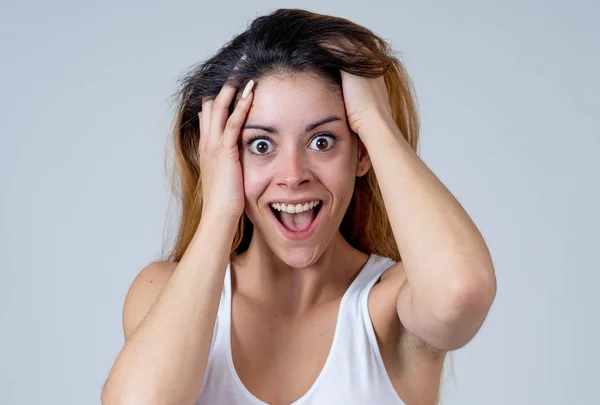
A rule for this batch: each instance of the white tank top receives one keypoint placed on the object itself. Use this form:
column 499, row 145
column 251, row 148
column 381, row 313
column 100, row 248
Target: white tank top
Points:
column 353, row 372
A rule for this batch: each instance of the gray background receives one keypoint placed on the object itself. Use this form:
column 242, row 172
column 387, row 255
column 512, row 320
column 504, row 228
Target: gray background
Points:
column 508, row 94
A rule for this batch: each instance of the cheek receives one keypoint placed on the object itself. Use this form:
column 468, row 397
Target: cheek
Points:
column 339, row 176
column 346, row 164
column 255, row 181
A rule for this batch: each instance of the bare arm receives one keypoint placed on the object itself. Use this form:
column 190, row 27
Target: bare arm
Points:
column 450, row 278
column 450, row 281
column 164, row 358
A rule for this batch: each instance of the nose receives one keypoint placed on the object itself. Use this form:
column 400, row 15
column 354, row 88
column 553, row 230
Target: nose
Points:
column 293, row 170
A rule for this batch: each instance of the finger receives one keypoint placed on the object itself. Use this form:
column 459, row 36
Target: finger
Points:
column 202, row 134
column 207, row 106
column 223, row 101
column 220, row 110
column 234, row 124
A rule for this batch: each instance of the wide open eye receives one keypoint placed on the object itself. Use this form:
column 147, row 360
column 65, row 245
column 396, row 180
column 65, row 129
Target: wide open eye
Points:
column 323, row 142
column 260, row 146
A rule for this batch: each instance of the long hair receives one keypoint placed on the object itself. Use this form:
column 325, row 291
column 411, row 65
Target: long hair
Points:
column 291, row 41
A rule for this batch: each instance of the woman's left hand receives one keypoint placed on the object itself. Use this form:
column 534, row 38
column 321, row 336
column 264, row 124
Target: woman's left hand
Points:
column 366, row 101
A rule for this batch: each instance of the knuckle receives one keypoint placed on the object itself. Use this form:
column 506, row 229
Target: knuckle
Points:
column 234, row 122
column 221, row 105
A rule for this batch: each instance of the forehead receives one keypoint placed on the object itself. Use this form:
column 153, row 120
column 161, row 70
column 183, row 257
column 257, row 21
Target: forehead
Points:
column 294, row 100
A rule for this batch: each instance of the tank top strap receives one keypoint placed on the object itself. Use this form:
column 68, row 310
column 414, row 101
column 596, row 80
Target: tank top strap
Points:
column 222, row 323
column 353, row 314
column 372, row 271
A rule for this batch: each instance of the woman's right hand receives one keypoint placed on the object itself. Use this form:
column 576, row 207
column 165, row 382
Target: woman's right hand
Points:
column 220, row 167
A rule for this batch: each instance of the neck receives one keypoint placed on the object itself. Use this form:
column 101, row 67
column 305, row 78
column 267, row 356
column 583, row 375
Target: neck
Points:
column 262, row 275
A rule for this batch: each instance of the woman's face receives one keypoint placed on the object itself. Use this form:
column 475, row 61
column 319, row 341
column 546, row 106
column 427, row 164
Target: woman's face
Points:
column 296, row 148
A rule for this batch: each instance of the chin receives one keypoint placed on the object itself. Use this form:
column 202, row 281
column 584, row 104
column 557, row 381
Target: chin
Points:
column 299, row 249
column 299, row 257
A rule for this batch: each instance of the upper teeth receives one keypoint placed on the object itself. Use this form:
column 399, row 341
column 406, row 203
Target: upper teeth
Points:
column 295, row 208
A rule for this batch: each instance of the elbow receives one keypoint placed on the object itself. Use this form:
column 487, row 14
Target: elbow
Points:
column 112, row 394
column 115, row 394
column 108, row 396
column 465, row 314
column 469, row 299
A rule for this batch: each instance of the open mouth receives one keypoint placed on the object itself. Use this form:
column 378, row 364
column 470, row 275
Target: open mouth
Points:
column 296, row 218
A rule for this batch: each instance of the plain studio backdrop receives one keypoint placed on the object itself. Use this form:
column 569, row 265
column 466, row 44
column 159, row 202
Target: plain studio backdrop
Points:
column 508, row 97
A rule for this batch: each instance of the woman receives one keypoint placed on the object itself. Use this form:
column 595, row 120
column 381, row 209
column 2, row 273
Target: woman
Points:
column 318, row 261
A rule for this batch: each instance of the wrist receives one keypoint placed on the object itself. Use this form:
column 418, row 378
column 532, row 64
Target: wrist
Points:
column 379, row 125
column 215, row 230
column 220, row 218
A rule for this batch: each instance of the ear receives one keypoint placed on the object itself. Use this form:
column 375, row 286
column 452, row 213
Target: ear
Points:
column 364, row 161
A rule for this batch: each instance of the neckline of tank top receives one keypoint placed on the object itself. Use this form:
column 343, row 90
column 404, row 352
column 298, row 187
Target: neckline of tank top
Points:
column 373, row 258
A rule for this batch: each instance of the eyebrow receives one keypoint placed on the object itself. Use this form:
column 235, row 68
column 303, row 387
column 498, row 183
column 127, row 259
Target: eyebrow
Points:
column 309, row 127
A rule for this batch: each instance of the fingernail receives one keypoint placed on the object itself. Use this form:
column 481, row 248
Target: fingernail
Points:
column 248, row 88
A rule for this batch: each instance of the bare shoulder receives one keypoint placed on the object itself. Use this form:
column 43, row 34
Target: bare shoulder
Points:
column 143, row 292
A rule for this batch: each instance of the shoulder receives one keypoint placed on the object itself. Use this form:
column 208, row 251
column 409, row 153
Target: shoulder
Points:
column 143, row 292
